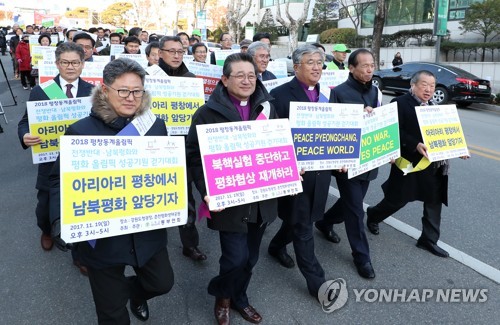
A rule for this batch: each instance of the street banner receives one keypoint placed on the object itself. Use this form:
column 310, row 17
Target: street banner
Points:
column 175, row 100
column 248, row 161
column 49, row 120
column 92, row 71
column 278, row 68
column 442, row 132
column 326, row 136
column 139, row 58
column 209, row 73
column 117, row 185
column 379, row 139
column 221, row 55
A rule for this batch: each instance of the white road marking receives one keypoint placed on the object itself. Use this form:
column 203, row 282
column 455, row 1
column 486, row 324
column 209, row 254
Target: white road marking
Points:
column 467, row 260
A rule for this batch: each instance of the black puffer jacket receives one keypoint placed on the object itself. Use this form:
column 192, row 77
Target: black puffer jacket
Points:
column 133, row 249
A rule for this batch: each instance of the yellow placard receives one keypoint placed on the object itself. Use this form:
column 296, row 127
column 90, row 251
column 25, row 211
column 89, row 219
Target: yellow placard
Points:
column 176, row 111
column 50, row 133
column 105, row 195
column 443, row 137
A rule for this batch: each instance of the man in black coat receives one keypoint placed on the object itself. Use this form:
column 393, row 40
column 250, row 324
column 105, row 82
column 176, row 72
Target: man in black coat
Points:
column 171, row 54
column 70, row 63
column 300, row 211
column 358, row 89
column 428, row 182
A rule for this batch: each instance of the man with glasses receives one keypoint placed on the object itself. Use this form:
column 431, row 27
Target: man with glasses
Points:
column 261, row 53
column 238, row 96
column 358, row 89
column 226, row 43
column 87, row 43
column 70, row 63
column 300, row 211
column 171, row 54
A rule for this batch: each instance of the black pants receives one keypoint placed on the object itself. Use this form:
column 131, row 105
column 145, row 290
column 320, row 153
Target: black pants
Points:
column 301, row 234
column 42, row 211
column 349, row 209
column 111, row 289
column 431, row 220
column 240, row 253
column 26, row 77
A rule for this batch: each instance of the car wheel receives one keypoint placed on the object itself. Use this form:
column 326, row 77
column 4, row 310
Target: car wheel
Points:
column 463, row 104
column 377, row 82
column 440, row 96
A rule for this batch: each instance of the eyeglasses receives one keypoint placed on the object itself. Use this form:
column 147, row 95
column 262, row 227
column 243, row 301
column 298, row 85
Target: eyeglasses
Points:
column 124, row 93
column 86, row 47
column 227, row 40
column 264, row 56
column 312, row 63
column 173, row 52
column 74, row 64
column 241, row 77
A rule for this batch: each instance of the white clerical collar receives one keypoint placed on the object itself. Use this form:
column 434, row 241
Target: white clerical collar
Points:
column 244, row 103
column 311, row 88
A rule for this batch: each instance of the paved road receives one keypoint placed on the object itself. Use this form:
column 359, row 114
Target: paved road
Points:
column 39, row 287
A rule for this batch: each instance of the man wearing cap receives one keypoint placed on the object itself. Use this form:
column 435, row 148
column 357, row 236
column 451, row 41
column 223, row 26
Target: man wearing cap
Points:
column 244, row 45
column 339, row 54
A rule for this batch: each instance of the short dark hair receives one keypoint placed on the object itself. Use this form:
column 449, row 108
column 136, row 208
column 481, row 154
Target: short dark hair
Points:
column 182, row 34
column 261, row 35
column 42, row 36
column 132, row 39
column 236, row 57
column 319, row 46
column 92, row 30
column 353, row 58
column 197, row 45
column 152, row 45
column 83, row 35
column 135, row 31
column 115, row 35
column 69, row 47
column 165, row 39
column 69, row 31
column 222, row 36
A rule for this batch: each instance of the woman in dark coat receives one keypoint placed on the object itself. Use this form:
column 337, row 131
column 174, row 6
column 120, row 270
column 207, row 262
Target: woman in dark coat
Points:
column 115, row 103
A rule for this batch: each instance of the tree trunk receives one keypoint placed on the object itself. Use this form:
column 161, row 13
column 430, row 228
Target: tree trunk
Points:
column 378, row 28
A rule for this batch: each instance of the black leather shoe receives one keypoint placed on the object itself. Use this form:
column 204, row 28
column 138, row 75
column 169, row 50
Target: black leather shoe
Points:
column 330, row 235
column 433, row 248
column 141, row 311
column 194, row 253
column 284, row 259
column 366, row 270
column 249, row 314
column 372, row 226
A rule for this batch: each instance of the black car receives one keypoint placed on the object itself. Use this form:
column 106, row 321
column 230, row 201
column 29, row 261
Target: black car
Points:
column 452, row 84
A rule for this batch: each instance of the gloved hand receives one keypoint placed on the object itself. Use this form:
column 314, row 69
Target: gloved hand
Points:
column 56, row 236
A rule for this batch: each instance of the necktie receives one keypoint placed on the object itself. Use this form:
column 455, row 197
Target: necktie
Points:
column 68, row 91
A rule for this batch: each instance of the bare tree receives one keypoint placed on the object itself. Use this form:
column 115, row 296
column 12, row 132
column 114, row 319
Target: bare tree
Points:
column 354, row 9
column 292, row 24
column 198, row 5
column 237, row 9
column 378, row 28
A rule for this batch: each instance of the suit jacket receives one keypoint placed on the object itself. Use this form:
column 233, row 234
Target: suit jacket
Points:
column 311, row 202
column 428, row 185
column 84, row 89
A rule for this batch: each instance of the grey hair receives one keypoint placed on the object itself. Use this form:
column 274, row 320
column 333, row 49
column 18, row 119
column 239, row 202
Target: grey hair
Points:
column 416, row 76
column 69, row 47
column 253, row 47
column 165, row 39
column 119, row 67
column 305, row 49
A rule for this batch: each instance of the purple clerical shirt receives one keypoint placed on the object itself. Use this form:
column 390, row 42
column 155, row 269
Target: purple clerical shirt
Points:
column 243, row 107
column 313, row 94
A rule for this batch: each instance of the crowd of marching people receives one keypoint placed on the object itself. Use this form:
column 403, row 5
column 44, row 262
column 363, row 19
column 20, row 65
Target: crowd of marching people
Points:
column 239, row 95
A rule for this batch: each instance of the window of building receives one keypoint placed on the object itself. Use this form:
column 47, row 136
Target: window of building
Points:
column 270, row 3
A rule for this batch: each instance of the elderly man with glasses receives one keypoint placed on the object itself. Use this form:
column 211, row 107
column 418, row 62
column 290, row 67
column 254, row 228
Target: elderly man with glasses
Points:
column 70, row 63
column 226, row 43
column 261, row 53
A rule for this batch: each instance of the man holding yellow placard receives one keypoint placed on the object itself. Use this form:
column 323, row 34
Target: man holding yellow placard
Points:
column 413, row 177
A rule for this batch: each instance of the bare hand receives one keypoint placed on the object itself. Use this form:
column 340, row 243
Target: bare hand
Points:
column 422, row 149
column 368, row 109
column 207, row 200
column 464, row 157
column 31, row 140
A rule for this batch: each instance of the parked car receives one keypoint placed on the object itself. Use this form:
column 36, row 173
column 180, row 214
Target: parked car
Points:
column 452, row 84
